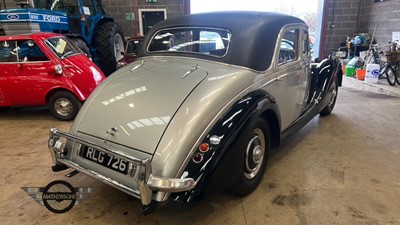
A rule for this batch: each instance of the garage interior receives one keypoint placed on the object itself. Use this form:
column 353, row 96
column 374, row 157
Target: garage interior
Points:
column 340, row 169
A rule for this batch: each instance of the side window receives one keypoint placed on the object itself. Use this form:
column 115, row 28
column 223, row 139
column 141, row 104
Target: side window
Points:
column 289, row 47
column 8, row 51
column 88, row 7
column 28, row 51
column 306, row 42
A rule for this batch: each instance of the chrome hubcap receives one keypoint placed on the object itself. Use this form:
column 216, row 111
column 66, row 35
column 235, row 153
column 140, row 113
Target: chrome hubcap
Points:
column 255, row 153
column 63, row 107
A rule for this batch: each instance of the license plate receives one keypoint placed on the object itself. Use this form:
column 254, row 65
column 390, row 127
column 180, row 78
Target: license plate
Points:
column 104, row 159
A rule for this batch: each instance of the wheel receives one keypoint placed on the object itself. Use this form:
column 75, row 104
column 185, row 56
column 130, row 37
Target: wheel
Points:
column 390, row 75
column 328, row 109
column 81, row 45
column 110, row 46
column 254, row 143
column 64, row 105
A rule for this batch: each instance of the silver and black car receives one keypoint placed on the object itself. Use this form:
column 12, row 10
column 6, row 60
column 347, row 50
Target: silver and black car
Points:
column 201, row 108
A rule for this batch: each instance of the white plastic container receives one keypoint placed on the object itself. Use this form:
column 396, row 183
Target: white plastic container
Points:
column 372, row 74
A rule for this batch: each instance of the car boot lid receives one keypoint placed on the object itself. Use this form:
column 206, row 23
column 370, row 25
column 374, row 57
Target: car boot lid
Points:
column 140, row 102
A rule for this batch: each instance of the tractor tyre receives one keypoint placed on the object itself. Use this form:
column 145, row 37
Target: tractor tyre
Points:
column 82, row 45
column 110, row 46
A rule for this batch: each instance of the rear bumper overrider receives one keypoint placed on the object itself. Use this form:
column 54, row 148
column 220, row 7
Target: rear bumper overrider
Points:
column 139, row 169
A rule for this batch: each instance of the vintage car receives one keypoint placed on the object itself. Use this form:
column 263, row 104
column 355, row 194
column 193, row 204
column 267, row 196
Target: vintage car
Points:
column 199, row 112
column 45, row 69
column 132, row 46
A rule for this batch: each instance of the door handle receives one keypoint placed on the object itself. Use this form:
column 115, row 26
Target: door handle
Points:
column 68, row 66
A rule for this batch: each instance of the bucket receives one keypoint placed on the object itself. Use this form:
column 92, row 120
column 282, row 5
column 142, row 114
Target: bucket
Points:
column 344, row 69
column 360, row 74
column 372, row 74
column 350, row 70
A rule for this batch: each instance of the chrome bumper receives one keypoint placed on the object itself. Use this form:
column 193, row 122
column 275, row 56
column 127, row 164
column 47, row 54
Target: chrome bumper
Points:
column 145, row 180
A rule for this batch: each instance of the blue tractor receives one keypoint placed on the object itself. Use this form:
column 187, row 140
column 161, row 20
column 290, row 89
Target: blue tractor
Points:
column 83, row 21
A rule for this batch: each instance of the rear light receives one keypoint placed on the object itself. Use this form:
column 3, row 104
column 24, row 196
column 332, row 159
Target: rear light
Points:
column 204, row 147
column 58, row 69
column 198, row 157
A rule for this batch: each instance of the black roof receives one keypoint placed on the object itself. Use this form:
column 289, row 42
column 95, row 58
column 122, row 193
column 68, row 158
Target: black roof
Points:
column 254, row 34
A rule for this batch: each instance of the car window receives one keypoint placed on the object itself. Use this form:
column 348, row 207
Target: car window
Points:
column 214, row 42
column 289, row 47
column 133, row 46
column 21, row 51
column 62, row 47
column 29, row 51
column 8, row 51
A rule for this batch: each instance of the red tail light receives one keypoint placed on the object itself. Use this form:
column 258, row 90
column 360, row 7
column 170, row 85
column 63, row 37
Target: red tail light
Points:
column 204, row 147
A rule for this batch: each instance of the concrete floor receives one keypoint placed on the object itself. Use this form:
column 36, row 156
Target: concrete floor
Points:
column 341, row 169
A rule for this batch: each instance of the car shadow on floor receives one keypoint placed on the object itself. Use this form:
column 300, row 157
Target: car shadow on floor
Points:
column 25, row 112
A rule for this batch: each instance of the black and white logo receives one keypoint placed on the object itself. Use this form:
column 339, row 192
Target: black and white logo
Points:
column 58, row 196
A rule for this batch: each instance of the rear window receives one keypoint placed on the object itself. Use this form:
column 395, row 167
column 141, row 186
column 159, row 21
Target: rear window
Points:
column 214, row 42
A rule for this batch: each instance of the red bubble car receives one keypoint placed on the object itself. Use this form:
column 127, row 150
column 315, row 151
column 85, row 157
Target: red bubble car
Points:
column 45, row 69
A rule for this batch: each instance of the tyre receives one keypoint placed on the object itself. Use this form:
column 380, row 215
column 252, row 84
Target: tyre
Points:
column 64, row 105
column 254, row 144
column 110, row 46
column 81, row 45
column 390, row 75
column 328, row 109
